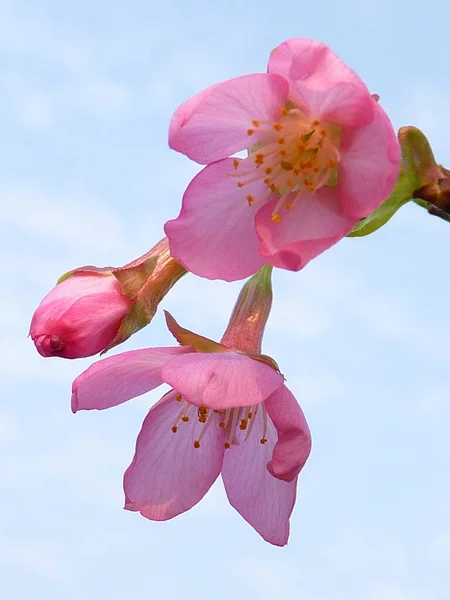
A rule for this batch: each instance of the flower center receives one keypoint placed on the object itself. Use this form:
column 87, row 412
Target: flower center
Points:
column 296, row 155
column 231, row 420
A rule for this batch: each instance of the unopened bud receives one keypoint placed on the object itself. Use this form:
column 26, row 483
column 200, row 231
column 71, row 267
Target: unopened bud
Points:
column 80, row 316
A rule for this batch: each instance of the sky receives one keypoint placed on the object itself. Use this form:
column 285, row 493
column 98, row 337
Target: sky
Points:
column 87, row 90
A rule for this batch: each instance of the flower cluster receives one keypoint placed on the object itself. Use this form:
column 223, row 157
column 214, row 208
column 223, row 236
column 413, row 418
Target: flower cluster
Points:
column 321, row 162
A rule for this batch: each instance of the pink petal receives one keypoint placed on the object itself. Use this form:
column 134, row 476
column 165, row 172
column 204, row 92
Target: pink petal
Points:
column 321, row 83
column 312, row 226
column 221, row 380
column 265, row 502
column 369, row 166
column 214, row 124
column 294, row 438
column 168, row 475
column 214, row 235
column 119, row 378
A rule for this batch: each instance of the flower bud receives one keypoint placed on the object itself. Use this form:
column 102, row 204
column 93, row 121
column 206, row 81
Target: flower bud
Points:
column 93, row 309
column 80, row 316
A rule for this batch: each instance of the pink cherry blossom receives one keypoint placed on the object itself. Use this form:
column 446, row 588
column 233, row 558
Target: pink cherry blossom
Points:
column 228, row 413
column 322, row 154
column 80, row 316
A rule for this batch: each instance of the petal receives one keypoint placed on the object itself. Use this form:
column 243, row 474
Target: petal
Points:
column 312, row 226
column 215, row 123
column 369, row 166
column 214, row 235
column 321, row 83
column 119, row 378
column 221, row 381
column 294, row 438
column 265, row 502
column 168, row 475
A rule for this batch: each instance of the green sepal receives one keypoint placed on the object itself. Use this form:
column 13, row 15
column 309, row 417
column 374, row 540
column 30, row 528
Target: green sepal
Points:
column 402, row 194
column 185, row 337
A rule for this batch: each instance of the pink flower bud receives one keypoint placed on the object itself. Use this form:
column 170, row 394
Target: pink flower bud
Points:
column 80, row 316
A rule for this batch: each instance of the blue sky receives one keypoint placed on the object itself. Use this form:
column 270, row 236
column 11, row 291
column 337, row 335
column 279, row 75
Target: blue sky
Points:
column 86, row 177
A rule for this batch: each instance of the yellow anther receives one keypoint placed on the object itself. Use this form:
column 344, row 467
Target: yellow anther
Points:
column 263, row 440
column 315, row 123
column 276, row 218
column 259, row 159
column 331, row 164
column 288, row 206
column 240, row 184
column 278, row 126
column 197, row 444
column 250, row 131
column 174, row 429
column 179, row 397
column 249, row 415
column 185, row 419
column 282, row 153
column 323, row 132
column 235, row 163
column 281, row 140
column 222, row 425
column 227, row 446
column 255, row 123
column 243, row 424
column 286, row 166
column 267, row 181
column 250, row 199
column 284, row 112
column 268, row 170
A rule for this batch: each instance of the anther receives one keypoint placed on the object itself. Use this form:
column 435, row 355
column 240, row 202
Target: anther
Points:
column 278, row 126
column 276, row 218
column 185, row 419
column 250, row 131
column 227, row 446
column 281, row 140
column 286, row 166
column 174, row 429
column 243, row 424
column 179, row 397
column 250, row 199
column 255, row 123
column 263, row 440
column 235, row 163
column 197, row 444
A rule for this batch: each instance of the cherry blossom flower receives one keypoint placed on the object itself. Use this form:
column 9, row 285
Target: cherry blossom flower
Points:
column 229, row 412
column 322, row 154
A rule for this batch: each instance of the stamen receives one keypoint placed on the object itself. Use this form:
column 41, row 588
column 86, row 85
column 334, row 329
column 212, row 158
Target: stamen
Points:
column 263, row 440
column 301, row 160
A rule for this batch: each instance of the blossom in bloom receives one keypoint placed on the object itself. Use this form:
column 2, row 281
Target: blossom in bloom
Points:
column 93, row 309
column 80, row 316
column 229, row 412
column 322, row 154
